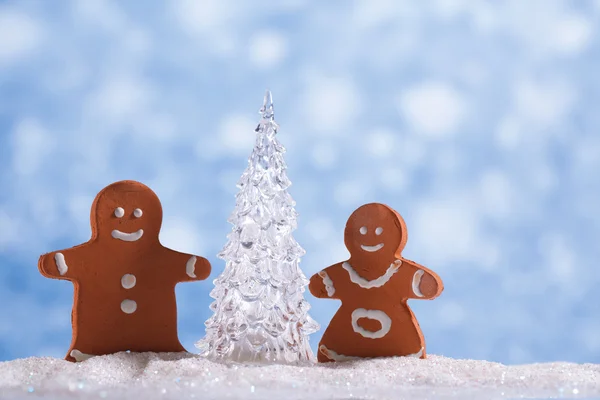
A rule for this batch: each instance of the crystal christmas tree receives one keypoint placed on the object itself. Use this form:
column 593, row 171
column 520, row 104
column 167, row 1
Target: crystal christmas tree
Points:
column 260, row 314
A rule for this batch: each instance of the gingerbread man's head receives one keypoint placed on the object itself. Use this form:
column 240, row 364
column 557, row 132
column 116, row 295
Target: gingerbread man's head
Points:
column 126, row 211
column 375, row 230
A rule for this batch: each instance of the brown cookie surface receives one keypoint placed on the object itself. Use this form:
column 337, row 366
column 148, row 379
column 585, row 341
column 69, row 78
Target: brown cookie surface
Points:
column 374, row 286
column 124, row 278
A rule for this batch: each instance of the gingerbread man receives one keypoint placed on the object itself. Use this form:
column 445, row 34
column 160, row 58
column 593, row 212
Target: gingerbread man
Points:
column 374, row 285
column 124, row 278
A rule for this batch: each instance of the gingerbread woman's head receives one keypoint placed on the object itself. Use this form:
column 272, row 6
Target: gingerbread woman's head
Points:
column 375, row 230
column 126, row 211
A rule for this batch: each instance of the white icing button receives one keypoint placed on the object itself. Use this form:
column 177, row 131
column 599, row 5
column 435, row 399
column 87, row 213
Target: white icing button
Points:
column 128, row 306
column 119, row 212
column 138, row 212
column 128, row 281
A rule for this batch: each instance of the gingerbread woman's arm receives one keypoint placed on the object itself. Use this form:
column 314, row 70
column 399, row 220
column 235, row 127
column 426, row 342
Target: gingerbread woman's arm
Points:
column 425, row 284
column 59, row 264
column 321, row 285
column 188, row 267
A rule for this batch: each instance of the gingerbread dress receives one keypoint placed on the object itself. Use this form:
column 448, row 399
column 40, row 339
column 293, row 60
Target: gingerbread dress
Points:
column 374, row 285
column 124, row 278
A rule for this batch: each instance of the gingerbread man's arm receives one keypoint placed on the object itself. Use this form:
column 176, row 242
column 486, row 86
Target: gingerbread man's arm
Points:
column 60, row 264
column 321, row 285
column 186, row 267
column 424, row 284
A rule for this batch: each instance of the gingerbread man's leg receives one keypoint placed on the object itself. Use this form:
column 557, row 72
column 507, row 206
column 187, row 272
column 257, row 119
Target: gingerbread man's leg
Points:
column 79, row 350
column 77, row 356
column 324, row 354
column 73, row 354
column 407, row 328
column 331, row 348
column 162, row 322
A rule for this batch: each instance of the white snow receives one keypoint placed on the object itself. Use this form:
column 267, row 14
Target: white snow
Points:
column 179, row 376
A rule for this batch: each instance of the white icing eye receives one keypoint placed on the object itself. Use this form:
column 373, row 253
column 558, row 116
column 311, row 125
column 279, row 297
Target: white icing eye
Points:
column 378, row 231
column 119, row 212
column 137, row 212
column 363, row 230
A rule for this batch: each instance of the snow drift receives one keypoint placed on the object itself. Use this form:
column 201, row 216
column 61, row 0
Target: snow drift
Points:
column 180, row 376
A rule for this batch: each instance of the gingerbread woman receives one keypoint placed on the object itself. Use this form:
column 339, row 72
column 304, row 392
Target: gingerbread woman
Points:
column 124, row 278
column 374, row 285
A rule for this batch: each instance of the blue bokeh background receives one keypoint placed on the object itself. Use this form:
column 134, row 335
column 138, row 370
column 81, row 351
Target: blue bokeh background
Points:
column 478, row 121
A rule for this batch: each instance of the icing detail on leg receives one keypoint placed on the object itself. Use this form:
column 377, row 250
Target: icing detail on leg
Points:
column 418, row 354
column 332, row 355
column 366, row 284
column 79, row 356
column 190, row 267
column 61, row 265
column 416, row 282
column 384, row 320
column 328, row 283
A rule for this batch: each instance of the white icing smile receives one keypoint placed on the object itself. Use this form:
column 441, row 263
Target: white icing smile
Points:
column 371, row 248
column 127, row 237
